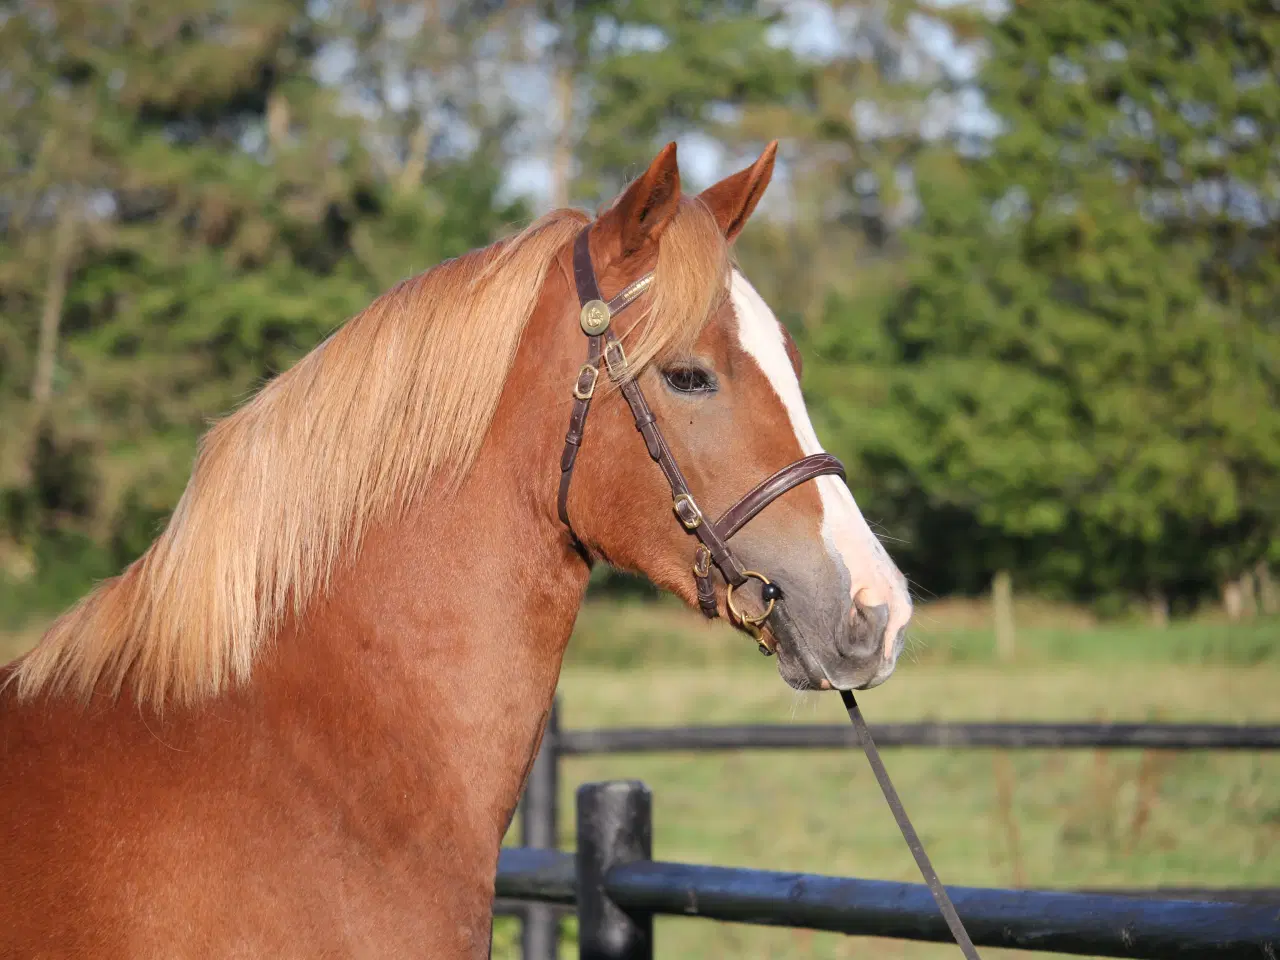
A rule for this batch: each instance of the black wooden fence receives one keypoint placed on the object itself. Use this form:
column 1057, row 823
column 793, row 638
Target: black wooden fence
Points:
column 617, row 888
column 539, row 805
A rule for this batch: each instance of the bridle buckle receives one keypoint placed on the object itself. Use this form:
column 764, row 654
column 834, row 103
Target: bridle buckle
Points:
column 688, row 511
column 702, row 561
column 588, row 370
column 615, row 358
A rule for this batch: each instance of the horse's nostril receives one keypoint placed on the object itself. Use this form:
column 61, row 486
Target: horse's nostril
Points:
column 865, row 634
column 875, row 617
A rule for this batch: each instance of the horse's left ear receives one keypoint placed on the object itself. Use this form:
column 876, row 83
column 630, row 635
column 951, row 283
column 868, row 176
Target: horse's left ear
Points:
column 732, row 200
column 647, row 206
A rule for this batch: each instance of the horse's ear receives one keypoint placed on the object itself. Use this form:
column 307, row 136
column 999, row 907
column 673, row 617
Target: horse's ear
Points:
column 647, row 206
column 732, row 200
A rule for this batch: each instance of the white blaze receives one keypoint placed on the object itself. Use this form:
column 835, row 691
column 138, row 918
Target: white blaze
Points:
column 845, row 532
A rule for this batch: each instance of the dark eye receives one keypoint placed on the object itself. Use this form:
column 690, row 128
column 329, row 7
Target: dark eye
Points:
column 687, row 378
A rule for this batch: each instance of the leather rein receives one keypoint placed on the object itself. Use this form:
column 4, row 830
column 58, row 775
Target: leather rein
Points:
column 595, row 318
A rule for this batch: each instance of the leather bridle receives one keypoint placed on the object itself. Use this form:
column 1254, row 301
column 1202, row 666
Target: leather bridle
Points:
column 713, row 536
column 595, row 318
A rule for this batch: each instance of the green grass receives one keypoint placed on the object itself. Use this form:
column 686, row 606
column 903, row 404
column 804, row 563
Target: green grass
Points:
column 635, row 633
column 1039, row 818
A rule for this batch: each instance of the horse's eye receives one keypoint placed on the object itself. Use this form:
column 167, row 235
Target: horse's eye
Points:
column 687, row 378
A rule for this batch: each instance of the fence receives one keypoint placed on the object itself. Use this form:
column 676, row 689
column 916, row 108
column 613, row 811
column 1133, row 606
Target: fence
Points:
column 617, row 889
column 539, row 807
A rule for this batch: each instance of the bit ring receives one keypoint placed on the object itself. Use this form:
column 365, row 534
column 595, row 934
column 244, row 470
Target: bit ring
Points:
column 745, row 619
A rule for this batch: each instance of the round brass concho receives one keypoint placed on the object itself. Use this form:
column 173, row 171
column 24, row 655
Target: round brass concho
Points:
column 594, row 318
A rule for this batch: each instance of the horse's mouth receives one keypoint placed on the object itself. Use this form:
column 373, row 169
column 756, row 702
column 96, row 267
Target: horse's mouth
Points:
column 803, row 667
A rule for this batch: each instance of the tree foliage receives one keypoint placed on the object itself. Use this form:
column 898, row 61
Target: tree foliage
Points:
column 1047, row 345
column 225, row 215
column 1077, row 374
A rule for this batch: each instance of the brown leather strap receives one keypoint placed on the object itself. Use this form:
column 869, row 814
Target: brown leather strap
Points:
column 713, row 537
column 770, row 489
column 584, row 389
column 584, row 278
column 683, row 502
column 584, row 274
column 706, row 592
column 742, row 512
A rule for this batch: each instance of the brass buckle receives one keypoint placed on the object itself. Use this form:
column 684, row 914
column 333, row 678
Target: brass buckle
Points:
column 690, row 523
column 702, row 561
column 589, row 392
column 617, row 365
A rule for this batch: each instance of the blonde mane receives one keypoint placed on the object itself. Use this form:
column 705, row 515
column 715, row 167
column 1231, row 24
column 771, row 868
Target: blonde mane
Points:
column 283, row 489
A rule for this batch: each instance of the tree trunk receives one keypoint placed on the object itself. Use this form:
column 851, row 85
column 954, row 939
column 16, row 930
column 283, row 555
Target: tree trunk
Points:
column 415, row 164
column 1248, row 596
column 278, row 120
column 55, row 296
column 1268, row 597
column 562, row 156
column 1232, row 601
column 1158, row 608
column 1002, row 612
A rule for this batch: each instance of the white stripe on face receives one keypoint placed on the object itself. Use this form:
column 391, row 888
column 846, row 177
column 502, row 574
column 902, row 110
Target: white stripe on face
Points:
column 848, row 539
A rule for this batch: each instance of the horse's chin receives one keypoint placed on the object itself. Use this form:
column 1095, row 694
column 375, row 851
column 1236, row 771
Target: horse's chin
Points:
column 798, row 667
column 802, row 666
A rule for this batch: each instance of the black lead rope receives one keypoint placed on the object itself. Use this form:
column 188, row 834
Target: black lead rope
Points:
column 908, row 831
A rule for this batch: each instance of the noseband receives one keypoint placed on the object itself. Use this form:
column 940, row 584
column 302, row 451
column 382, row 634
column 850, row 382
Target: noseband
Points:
column 713, row 536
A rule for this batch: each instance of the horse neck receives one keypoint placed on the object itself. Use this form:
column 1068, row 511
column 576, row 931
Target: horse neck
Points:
column 441, row 647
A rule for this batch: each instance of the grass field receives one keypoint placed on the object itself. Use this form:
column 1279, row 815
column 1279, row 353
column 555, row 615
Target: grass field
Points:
column 1038, row 819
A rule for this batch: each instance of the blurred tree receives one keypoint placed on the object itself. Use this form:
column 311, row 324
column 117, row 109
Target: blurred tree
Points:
column 1083, row 358
column 889, row 85
column 617, row 78
column 1053, row 350
column 882, row 82
column 185, row 208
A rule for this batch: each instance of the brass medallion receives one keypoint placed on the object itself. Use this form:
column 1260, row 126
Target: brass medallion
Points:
column 594, row 318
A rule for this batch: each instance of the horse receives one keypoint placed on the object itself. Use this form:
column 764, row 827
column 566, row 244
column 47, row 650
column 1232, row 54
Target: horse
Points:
column 299, row 724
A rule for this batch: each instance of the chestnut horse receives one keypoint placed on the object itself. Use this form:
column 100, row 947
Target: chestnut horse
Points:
column 299, row 724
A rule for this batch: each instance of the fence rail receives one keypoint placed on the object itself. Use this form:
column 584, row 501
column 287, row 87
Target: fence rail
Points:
column 617, row 889
column 1005, row 736
column 539, row 805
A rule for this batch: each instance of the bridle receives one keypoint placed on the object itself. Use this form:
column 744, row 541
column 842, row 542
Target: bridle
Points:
column 595, row 318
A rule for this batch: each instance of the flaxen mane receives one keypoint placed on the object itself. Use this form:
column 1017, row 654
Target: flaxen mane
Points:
column 400, row 396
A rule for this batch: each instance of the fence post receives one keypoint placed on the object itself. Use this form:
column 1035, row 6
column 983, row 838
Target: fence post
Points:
column 540, row 927
column 615, row 825
column 1002, row 613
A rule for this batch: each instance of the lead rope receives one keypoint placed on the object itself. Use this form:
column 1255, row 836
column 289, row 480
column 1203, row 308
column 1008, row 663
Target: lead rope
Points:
column 908, row 831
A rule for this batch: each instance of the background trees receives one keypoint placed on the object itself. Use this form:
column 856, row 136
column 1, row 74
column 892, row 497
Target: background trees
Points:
column 1030, row 254
column 1080, row 363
